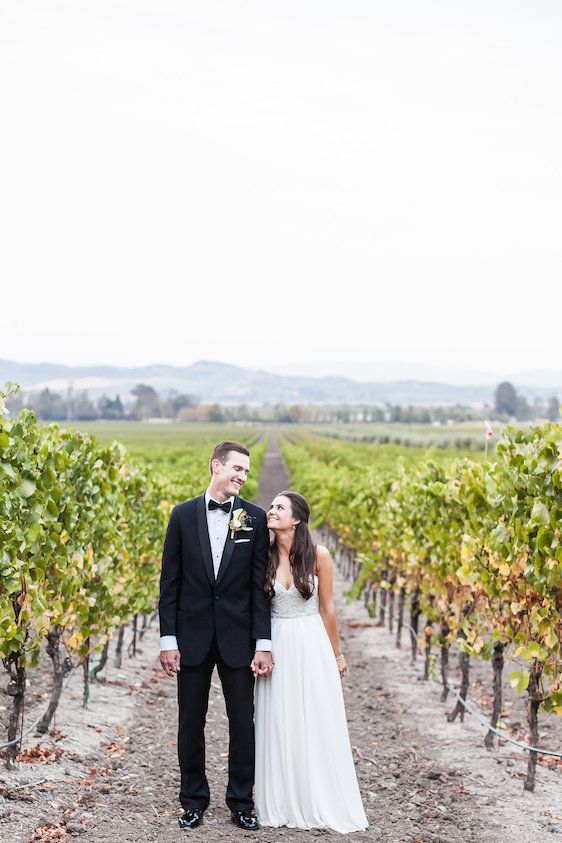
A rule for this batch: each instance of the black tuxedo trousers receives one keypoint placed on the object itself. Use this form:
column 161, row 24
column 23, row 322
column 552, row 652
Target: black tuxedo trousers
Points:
column 216, row 621
column 193, row 697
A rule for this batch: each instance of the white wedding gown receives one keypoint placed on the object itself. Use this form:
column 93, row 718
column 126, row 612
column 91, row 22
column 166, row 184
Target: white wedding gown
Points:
column 305, row 775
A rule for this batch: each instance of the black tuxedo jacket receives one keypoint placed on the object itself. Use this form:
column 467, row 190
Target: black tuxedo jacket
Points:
column 194, row 606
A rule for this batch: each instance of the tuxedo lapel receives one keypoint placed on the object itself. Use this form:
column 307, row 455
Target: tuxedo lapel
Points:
column 204, row 541
column 228, row 547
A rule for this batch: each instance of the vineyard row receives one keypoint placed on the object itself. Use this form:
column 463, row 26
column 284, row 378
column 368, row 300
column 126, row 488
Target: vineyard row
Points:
column 80, row 546
column 475, row 547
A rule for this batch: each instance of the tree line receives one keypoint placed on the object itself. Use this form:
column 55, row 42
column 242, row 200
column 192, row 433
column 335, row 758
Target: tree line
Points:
column 73, row 405
column 146, row 403
column 508, row 403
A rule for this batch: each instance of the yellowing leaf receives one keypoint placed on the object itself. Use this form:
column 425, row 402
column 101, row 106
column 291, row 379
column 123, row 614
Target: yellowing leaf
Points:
column 539, row 513
column 551, row 639
column 520, row 679
column 478, row 644
column 74, row 641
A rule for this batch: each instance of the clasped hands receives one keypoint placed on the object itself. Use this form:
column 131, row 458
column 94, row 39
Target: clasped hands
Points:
column 261, row 664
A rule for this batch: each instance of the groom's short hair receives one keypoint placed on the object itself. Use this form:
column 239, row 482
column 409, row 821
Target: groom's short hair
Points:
column 223, row 449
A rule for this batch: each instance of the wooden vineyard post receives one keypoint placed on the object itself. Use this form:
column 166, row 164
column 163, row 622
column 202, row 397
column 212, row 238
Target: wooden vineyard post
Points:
column 119, row 646
column 391, row 597
column 86, row 670
column 415, row 613
column 61, row 667
column 367, row 594
column 382, row 601
column 400, row 621
column 428, row 632
column 444, row 645
column 464, row 662
column 16, row 690
column 533, row 704
column 101, row 664
column 132, row 650
column 497, row 667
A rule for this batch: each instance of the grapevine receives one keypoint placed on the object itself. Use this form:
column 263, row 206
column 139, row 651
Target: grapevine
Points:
column 474, row 545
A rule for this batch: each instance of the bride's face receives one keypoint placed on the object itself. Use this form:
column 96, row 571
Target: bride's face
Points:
column 280, row 515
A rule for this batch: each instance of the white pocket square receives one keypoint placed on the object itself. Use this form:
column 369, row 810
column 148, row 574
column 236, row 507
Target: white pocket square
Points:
column 239, row 541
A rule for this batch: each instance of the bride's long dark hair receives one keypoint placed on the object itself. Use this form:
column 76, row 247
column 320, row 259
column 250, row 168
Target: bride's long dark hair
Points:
column 302, row 556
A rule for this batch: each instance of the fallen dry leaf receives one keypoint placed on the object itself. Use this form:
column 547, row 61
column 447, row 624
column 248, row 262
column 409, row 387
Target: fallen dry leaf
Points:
column 360, row 624
column 116, row 748
column 48, row 833
column 40, row 754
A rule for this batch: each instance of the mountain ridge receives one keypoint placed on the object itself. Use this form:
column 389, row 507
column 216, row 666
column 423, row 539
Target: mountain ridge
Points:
column 216, row 381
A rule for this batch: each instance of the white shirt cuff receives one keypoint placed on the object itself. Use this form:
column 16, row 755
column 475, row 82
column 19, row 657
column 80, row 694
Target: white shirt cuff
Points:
column 263, row 644
column 168, row 642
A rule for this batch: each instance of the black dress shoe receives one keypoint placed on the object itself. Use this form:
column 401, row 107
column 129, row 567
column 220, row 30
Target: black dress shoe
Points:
column 191, row 819
column 246, row 821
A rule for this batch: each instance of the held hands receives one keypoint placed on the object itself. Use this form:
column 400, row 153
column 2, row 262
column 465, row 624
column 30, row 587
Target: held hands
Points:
column 262, row 663
column 170, row 661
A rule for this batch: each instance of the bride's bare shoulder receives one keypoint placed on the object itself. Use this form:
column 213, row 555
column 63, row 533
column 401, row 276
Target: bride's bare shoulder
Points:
column 323, row 558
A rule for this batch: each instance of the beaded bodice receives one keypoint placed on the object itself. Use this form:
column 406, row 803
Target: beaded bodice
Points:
column 289, row 603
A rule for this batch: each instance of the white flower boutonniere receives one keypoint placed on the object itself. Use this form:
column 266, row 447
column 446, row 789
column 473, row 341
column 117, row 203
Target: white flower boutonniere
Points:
column 239, row 522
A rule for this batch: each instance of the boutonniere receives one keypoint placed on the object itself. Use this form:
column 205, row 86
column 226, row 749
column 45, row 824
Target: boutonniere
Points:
column 239, row 521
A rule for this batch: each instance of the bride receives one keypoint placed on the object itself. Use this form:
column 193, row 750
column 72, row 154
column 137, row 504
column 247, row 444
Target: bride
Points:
column 305, row 775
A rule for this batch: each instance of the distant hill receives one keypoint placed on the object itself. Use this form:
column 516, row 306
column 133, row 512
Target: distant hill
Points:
column 220, row 382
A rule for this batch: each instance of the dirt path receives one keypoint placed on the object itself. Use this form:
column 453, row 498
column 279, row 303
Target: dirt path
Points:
column 421, row 778
column 275, row 475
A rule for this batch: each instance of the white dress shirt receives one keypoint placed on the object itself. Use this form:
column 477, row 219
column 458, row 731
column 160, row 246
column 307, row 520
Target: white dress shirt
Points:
column 217, row 525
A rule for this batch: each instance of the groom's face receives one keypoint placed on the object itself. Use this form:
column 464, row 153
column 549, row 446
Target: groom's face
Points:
column 230, row 477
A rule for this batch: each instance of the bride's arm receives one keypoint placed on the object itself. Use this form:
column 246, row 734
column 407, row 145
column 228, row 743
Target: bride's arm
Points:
column 325, row 571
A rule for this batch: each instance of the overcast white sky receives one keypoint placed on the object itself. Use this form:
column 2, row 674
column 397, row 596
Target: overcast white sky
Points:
column 319, row 183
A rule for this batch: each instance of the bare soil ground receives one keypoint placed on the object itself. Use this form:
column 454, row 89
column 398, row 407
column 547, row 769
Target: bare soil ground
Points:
column 422, row 779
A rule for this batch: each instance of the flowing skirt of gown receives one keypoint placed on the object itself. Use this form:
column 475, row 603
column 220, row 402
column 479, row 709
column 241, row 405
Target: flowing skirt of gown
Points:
column 305, row 775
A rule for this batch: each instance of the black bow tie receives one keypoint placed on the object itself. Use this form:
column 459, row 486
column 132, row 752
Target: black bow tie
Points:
column 224, row 506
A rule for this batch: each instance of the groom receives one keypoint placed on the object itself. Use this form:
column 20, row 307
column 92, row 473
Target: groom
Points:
column 213, row 611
